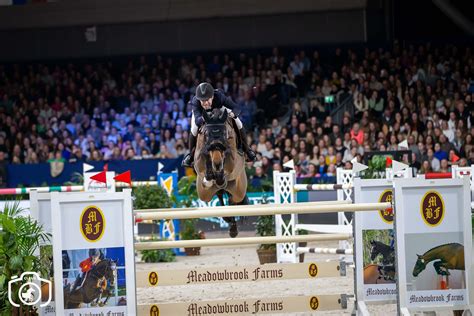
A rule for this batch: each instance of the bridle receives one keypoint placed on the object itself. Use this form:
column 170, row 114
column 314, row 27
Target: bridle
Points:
column 216, row 138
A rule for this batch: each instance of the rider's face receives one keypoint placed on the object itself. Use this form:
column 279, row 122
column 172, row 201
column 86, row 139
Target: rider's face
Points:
column 206, row 104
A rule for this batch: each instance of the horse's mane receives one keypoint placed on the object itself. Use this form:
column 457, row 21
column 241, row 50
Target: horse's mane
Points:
column 443, row 245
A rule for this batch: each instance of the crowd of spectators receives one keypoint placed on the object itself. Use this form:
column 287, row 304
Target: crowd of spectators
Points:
column 137, row 108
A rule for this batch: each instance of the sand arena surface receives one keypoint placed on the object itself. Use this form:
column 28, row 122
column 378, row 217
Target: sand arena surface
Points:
column 246, row 255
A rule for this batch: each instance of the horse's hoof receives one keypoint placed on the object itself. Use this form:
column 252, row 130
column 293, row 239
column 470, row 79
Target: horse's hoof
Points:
column 233, row 231
column 101, row 304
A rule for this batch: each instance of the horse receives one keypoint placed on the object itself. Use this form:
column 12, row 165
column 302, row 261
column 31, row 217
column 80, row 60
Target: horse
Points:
column 219, row 164
column 450, row 256
column 379, row 248
column 94, row 286
column 373, row 275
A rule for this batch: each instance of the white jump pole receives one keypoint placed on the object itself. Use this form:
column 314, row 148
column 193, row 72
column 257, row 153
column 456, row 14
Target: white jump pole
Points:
column 233, row 207
column 237, row 241
column 268, row 209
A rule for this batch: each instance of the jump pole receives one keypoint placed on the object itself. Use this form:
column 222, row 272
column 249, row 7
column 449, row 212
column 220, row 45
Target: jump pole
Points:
column 153, row 245
column 321, row 187
column 267, row 209
column 233, row 207
column 336, row 251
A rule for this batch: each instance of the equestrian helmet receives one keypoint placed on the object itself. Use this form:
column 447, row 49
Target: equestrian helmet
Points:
column 204, row 91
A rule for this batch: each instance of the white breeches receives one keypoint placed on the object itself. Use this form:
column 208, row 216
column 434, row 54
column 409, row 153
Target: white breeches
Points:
column 195, row 128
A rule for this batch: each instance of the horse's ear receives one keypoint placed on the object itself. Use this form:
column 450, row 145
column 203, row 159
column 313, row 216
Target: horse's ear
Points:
column 223, row 116
column 419, row 256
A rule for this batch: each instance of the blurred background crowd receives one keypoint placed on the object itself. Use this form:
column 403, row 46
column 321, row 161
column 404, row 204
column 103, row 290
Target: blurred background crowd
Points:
column 137, row 107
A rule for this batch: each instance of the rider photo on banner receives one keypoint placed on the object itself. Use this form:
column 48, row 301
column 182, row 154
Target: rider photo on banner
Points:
column 94, row 273
column 93, row 254
column 434, row 241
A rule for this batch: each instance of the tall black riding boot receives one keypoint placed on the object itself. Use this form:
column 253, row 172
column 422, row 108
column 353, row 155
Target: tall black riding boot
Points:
column 188, row 160
column 251, row 156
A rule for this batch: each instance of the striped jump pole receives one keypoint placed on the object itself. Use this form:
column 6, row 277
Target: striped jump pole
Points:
column 266, row 209
column 336, row 251
column 153, row 245
column 67, row 188
column 321, row 187
column 17, row 191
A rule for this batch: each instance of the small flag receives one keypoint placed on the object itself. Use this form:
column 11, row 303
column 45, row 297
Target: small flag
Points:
column 100, row 177
column 398, row 166
column 160, row 167
column 86, row 167
column 388, row 162
column 357, row 166
column 455, row 157
column 124, row 177
column 106, row 167
column 289, row 164
column 403, row 144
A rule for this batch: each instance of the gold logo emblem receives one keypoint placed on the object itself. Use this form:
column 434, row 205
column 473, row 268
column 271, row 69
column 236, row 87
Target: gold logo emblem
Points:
column 314, row 303
column 154, row 311
column 313, row 270
column 153, row 278
column 387, row 215
column 432, row 208
column 92, row 223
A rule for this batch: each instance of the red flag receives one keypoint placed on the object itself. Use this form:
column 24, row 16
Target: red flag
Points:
column 455, row 157
column 388, row 162
column 124, row 177
column 100, row 177
column 106, row 167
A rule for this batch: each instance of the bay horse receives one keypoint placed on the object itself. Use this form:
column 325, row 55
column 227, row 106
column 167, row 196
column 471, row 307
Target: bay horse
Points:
column 94, row 287
column 373, row 275
column 219, row 164
column 449, row 256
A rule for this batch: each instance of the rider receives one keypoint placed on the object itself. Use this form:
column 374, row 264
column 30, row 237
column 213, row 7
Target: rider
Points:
column 206, row 99
column 95, row 255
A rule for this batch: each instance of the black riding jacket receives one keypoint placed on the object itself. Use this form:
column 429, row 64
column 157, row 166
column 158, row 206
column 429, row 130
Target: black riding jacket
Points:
column 219, row 100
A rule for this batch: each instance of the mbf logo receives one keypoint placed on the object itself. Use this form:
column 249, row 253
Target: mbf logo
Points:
column 313, row 270
column 387, row 214
column 92, row 223
column 432, row 208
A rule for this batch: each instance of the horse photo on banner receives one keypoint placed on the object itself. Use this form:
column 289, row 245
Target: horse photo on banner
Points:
column 434, row 244
column 374, row 244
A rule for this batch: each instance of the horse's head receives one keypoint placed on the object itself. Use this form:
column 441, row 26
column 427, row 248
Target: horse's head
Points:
column 420, row 265
column 216, row 141
column 107, row 268
column 373, row 250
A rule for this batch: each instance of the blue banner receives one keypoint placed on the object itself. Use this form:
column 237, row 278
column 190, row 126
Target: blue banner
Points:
column 32, row 175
